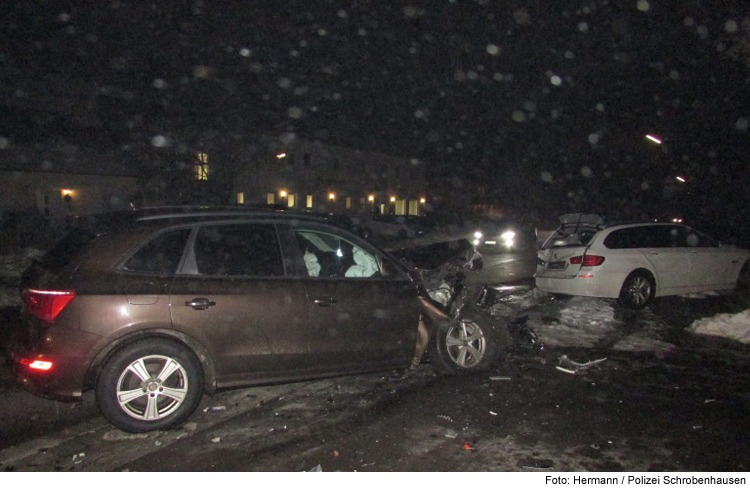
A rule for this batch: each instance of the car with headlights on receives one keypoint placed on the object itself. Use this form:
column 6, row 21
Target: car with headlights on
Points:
column 500, row 235
column 636, row 262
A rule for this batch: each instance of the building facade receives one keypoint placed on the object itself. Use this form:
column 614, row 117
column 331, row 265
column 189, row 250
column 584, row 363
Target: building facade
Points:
column 311, row 175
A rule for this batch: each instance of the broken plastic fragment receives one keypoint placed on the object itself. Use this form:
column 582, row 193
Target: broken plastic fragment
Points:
column 567, row 365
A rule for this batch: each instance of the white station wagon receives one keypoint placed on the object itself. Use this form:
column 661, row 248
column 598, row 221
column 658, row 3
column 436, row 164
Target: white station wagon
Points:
column 636, row 262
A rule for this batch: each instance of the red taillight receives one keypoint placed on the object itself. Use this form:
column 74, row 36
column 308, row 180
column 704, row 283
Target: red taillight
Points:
column 41, row 365
column 587, row 260
column 47, row 304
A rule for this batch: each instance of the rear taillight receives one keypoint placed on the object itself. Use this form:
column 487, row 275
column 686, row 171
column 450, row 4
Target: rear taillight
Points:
column 47, row 304
column 587, row 260
column 40, row 365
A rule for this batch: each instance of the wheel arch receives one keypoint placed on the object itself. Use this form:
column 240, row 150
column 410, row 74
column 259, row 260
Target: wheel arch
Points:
column 200, row 352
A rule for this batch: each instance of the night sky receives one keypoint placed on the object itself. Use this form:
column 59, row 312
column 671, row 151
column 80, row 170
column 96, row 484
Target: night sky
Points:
column 546, row 103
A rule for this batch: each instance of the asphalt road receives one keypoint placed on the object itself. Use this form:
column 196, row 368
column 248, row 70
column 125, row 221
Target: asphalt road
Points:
column 686, row 410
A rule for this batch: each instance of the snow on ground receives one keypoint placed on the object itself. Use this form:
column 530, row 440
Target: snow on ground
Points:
column 593, row 323
column 733, row 326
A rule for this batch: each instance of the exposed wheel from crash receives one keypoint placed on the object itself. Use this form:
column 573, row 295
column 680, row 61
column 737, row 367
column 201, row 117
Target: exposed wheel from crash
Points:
column 469, row 344
column 150, row 385
column 637, row 290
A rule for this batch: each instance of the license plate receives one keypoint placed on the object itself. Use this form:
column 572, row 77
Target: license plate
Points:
column 558, row 264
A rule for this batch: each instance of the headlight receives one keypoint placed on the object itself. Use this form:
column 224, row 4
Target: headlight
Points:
column 509, row 238
column 477, row 238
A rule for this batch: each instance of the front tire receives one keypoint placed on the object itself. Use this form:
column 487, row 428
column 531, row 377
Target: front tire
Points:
column 637, row 290
column 470, row 344
column 150, row 385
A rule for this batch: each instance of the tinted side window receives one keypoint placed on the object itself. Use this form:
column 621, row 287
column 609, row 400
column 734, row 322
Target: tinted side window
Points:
column 696, row 239
column 647, row 237
column 630, row 237
column 160, row 255
column 668, row 236
column 238, row 250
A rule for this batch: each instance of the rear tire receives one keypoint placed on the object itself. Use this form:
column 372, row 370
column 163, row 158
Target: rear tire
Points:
column 637, row 290
column 469, row 344
column 150, row 385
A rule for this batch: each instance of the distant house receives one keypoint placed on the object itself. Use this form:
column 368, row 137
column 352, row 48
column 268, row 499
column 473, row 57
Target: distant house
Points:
column 61, row 180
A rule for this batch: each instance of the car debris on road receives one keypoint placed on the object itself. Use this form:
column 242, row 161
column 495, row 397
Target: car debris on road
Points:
column 567, row 365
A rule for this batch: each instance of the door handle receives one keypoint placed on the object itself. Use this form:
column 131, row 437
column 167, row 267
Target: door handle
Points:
column 200, row 304
column 325, row 302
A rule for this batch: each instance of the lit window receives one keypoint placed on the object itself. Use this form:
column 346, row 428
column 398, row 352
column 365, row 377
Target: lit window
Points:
column 201, row 166
column 241, row 198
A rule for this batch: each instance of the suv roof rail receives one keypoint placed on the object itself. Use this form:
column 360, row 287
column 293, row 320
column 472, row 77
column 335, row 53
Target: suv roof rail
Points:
column 177, row 211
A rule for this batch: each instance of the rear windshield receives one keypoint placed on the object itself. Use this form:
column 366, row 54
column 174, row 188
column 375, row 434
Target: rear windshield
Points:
column 570, row 237
column 85, row 229
column 66, row 249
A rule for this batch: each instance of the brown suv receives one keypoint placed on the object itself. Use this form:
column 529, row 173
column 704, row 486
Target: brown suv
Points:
column 150, row 308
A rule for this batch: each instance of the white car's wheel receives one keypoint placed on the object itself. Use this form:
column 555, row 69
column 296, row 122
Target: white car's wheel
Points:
column 637, row 290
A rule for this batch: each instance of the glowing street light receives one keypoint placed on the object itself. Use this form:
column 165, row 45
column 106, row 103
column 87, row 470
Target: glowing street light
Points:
column 680, row 178
column 653, row 139
column 332, row 196
column 281, row 155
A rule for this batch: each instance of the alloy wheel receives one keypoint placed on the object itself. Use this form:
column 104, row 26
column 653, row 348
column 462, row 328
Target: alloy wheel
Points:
column 152, row 387
column 466, row 344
